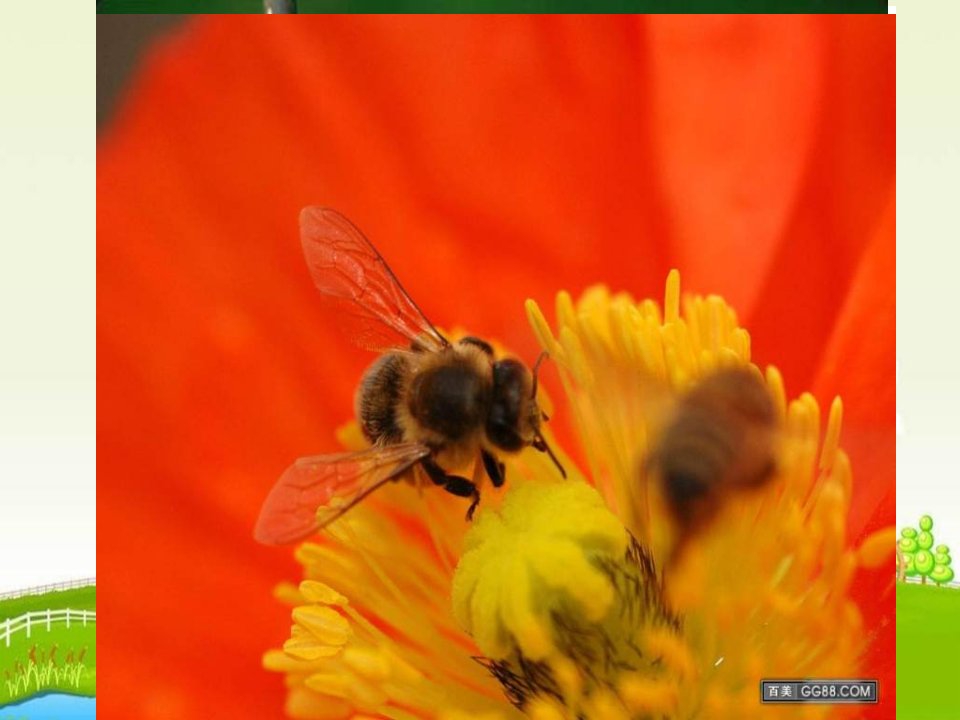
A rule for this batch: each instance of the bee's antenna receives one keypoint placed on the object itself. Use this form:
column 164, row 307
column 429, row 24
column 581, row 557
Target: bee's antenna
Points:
column 536, row 369
column 541, row 444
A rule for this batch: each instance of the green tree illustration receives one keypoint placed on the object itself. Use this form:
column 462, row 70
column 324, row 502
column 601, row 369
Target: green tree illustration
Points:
column 942, row 572
column 923, row 559
column 907, row 548
column 924, row 564
column 915, row 556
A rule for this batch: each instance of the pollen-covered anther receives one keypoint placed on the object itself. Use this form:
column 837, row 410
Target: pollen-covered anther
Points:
column 318, row 592
column 303, row 644
column 672, row 650
column 875, row 550
column 325, row 624
column 649, row 696
column 545, row 709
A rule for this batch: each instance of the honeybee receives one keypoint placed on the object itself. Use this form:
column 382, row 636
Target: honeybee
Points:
column 720, row 440
column 431, row 404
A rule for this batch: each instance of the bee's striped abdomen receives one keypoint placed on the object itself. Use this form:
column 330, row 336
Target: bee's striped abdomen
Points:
column 378, row 396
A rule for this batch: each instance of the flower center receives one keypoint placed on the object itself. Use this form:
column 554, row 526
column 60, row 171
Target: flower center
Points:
column 567, row 606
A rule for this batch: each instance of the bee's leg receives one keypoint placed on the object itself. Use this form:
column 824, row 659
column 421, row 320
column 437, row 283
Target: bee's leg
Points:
column 496, row 471
column 434, row 471
column 418, row 480
column 453, row 484
column 473, row 504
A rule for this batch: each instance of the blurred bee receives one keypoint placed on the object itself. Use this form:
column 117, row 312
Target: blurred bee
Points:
column 719, row 441
column 432, row 403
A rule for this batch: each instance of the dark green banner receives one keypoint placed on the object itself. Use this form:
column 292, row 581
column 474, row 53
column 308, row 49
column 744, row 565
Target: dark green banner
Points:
column 500, row 6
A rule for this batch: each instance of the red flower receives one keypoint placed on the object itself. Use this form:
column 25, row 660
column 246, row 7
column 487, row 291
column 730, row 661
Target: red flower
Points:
column 490, row 159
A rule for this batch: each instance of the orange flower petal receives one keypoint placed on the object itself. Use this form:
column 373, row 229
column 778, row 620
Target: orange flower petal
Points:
column 735, row 126
column 859, row 365
column 847, row 182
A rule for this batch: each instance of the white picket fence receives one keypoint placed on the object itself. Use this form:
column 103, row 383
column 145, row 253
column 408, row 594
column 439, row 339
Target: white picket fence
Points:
column 918, row 580
column 41, row 589
column 43, row 617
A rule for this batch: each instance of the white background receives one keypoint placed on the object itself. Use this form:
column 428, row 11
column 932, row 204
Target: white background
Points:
column 928, row 267
column 47, row 293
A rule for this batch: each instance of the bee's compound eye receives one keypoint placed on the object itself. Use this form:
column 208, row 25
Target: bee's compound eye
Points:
column 510, row 374
column 504, row 435
column 503, row 422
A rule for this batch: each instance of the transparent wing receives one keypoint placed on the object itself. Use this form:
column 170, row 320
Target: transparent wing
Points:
column 315, row 491
column 350, row 274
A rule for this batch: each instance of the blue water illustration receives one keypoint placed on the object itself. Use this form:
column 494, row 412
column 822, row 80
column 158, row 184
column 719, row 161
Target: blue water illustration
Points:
column 52, row 706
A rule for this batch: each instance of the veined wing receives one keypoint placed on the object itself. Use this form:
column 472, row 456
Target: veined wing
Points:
column 315, row 491
column 350, row 273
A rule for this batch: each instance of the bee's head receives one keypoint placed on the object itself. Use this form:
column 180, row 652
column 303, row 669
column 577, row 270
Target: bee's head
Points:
column 514, row 418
